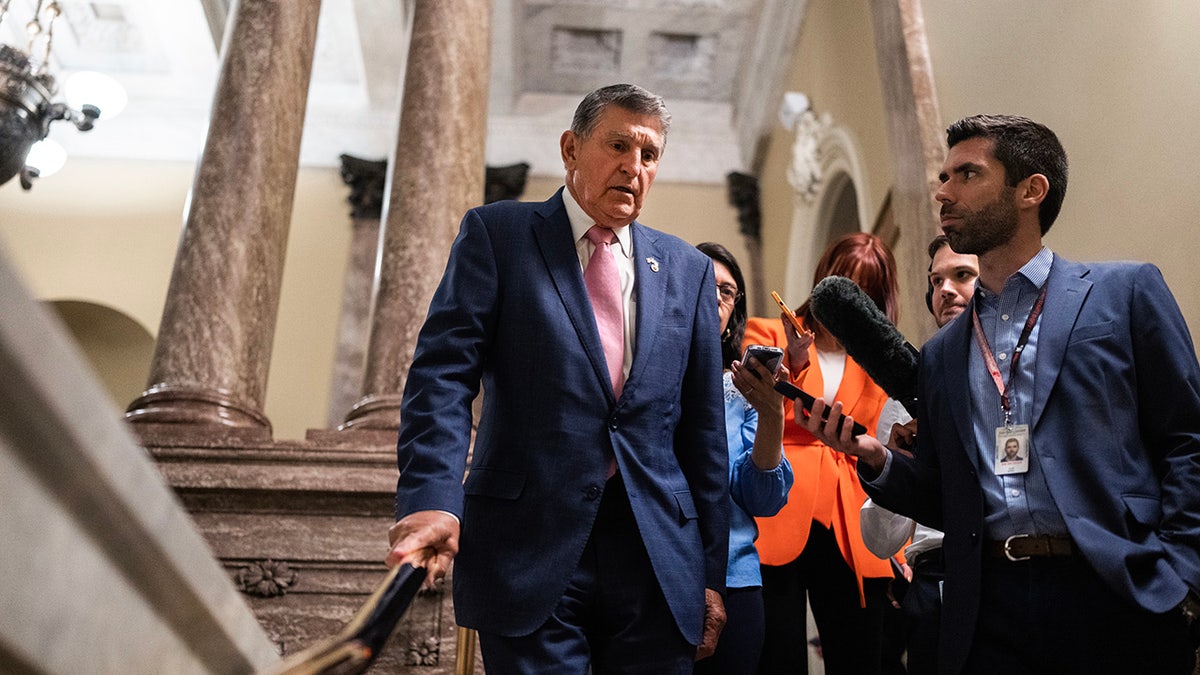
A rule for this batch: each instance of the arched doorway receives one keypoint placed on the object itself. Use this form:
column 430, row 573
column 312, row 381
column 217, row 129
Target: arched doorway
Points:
column 838, row 213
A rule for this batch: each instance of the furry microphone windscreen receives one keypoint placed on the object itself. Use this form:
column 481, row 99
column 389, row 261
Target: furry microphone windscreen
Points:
column 850, row 315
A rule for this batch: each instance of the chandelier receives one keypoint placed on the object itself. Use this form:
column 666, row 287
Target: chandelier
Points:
column 27, row 89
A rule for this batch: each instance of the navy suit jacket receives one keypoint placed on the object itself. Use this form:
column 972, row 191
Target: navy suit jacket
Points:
column 1116, row 425
column 512, row 311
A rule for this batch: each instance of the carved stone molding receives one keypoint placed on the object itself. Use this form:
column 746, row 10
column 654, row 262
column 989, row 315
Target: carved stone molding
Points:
column 301, row 528
column 423, row 651
column 804, row 173
column 166, row 404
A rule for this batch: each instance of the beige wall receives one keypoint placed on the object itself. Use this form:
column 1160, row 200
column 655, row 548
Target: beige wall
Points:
column 1120, row 84
column 1117, row 82
column 106, row 233
column 103, row 232
column 835, row 67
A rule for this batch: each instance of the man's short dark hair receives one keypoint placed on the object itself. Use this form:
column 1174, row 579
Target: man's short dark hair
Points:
column 1024, row 148
column 934, row 246
column 625, row 96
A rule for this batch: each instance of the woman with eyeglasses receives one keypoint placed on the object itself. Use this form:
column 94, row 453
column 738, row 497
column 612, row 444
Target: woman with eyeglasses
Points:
column 812, row 550
column 759, row 475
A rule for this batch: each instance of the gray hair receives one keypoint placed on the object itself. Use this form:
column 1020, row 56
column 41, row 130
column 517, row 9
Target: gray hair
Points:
column 626, row 96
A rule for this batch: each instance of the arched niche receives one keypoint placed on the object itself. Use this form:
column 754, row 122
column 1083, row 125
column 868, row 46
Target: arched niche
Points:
column 830, row 197
column 117, row 347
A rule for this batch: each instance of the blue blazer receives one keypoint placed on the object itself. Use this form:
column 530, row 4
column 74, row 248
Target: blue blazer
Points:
column 512, row 311
column 1116, row 423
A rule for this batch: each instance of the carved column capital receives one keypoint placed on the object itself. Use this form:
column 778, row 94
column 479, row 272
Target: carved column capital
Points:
column 742, row 189
column 366, row 178
column 504, row 182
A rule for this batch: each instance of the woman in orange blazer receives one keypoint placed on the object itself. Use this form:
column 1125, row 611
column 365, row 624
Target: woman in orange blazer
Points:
column 812, row 549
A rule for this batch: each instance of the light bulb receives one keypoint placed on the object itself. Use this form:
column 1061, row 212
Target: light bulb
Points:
column 94, row 88
column 47, row 157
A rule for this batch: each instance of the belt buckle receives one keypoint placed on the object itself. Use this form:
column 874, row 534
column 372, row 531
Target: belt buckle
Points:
column 1008, row 548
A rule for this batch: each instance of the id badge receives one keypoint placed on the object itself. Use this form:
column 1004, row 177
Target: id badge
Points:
column 1012, row 449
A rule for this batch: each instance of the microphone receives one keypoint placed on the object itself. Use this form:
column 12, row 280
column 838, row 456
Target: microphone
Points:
column 850, row 315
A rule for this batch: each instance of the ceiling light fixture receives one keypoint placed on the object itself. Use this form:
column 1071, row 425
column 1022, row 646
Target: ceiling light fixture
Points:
column 26, row 91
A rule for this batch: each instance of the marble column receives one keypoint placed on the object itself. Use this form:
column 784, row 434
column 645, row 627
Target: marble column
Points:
column 436, row 174
column 213, row 352
column 366, row 179
column 916, row 136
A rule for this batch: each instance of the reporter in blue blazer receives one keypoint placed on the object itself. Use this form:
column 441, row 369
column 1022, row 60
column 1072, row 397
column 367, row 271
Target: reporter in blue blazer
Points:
column 560, row 567
column 1084, row 555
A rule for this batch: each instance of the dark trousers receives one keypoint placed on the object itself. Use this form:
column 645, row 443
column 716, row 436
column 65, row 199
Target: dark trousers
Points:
column 851, row 636
column 922, row 612
column 892, row 645
column 612, row 618
column 741, row 641
column 1054, row 615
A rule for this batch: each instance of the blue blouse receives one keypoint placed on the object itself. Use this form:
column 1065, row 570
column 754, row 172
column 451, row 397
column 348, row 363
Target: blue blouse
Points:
column 752, row 492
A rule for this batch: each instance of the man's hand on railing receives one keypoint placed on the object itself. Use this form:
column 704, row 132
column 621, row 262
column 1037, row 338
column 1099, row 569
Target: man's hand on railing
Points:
column 427, row 539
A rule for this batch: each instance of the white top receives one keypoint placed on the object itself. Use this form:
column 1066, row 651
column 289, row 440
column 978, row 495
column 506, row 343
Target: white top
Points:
column 885, row 532
column 833, row 367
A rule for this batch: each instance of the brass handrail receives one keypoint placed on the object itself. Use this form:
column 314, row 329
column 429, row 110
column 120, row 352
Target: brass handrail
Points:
column 464, row 652
column 356, row 647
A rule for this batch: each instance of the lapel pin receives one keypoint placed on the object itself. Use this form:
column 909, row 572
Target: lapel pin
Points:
column 653, row 264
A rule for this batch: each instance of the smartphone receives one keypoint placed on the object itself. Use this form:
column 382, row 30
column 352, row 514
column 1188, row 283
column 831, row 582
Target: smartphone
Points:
column 796, row 322
column 806, row 400
column 770, row 357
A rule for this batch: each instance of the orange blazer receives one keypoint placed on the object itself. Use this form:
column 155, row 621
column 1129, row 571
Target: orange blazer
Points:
column 826, row 489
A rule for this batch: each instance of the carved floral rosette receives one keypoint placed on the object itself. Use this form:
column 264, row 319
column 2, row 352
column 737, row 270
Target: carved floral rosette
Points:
column 266, row 578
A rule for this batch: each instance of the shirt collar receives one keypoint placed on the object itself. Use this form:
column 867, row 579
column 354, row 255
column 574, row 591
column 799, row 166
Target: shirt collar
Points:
column 1036, row 272
column 581, row 222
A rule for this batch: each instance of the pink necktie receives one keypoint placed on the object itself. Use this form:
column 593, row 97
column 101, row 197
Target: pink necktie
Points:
column 604, row 288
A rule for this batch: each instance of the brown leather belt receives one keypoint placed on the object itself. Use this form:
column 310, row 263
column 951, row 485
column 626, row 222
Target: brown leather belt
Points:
column 1025, row 546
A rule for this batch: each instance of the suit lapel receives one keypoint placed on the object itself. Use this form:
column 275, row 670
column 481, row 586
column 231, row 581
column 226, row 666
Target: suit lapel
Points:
column 650, row 289
column 850, row 389
column 814, row 380
column 955, row 380
column 552, row 230
column 1064, row 299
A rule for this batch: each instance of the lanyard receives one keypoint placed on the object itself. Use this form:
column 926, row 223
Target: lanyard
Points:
column 986, row 351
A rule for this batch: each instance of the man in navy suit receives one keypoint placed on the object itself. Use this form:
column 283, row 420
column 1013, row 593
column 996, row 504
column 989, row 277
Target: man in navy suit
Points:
column 1084, row 555
column 592, row 528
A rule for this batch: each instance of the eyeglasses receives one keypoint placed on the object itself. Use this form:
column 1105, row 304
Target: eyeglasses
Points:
column 728, row 293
